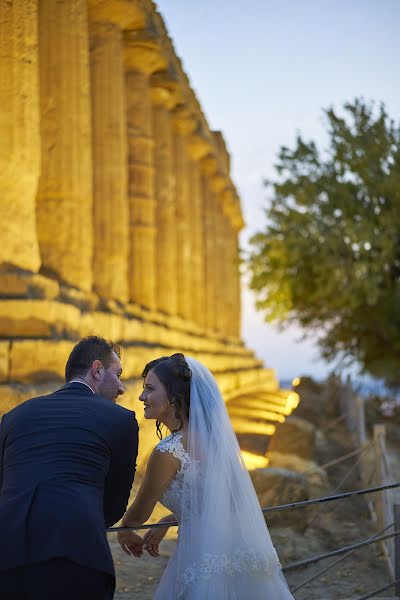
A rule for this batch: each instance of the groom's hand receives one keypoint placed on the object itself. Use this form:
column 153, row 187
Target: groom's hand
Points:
column 131, row 543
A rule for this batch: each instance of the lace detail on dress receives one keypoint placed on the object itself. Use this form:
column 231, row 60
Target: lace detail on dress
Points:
column 173, row 444
column 172, row 497
column 245, row 560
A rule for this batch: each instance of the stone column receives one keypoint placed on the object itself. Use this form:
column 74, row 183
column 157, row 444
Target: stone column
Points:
column 110, row 161
column 234, row 222
column 64, row 202
column 208, row 167
column 196, row 229
column 222, row 289
column 164, row 98
column 183, row 239
column 142, row 58
column 217, row 182
column 20, row 142
column 198, row 147
column 184, row 124
column 237, row 321
column 208, row 242
column 230, row 267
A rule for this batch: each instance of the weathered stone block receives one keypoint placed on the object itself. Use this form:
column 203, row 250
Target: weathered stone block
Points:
column 4, row 360
column 38, row 360
column 280, row 486
column 10, row 397
column 84, row 300
column 26, row 285
column 15, row 393
column 316, row 476
column 135, row 358
column 38, row 318
column 107, row 325
column 295, row 436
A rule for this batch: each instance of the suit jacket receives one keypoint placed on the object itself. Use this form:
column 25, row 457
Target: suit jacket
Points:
column 67, row 463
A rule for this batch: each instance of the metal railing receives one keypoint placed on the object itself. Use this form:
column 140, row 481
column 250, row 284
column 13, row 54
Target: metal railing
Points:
column 346, row 550
column 352, row 409
column 384, row 509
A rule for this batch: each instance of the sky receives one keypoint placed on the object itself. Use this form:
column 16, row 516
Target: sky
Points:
column 263, row 70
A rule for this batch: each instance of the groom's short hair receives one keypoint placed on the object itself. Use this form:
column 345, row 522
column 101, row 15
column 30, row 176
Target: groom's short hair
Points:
column 85, row 352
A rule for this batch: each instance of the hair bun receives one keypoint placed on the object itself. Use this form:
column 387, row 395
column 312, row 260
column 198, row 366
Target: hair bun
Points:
column 180, row 366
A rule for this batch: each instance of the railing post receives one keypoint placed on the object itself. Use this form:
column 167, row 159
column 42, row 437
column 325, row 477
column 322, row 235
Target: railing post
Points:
column 347, row 405
column 379, row 432
column 361, row 434
column 397, row 548
column 361, row 439
column 381, row 507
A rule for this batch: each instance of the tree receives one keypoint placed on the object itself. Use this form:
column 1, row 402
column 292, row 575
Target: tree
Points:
column 329, row 257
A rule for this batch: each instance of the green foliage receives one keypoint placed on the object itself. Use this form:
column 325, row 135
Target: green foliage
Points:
column 329, row 258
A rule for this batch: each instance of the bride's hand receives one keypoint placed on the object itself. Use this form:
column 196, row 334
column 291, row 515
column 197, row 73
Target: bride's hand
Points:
column 131, row 543
column 152, row 539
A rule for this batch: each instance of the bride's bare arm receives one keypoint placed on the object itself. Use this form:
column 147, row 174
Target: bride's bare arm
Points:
column 161, row 469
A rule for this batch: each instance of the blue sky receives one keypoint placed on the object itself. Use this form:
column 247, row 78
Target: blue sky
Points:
column 263, row 70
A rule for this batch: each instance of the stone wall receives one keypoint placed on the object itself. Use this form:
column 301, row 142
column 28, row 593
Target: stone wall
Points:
column 118, row 216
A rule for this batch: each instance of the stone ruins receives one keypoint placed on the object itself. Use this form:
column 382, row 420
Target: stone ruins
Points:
column 118, row 216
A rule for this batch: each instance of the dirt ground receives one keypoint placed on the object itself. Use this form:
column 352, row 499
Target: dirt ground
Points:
column 331, row 526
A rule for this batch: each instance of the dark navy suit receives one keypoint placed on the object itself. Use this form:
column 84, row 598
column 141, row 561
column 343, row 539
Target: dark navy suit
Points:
column 67, row 463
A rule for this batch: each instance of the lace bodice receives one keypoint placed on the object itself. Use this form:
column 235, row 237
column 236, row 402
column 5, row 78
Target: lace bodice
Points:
column 172, row 497
column 239, row 562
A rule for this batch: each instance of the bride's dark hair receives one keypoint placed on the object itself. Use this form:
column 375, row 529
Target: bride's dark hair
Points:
column 174, row 373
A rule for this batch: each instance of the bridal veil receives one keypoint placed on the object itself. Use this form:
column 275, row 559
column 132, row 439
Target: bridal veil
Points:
column 224, row 550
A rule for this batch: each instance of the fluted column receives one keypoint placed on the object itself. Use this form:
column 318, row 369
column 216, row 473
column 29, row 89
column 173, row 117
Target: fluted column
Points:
column 230, row 277
column 183, row 233
column 164, row 99
column 110, row 163
column 142, row 58
column 64, row 202
column 184, row 124
column 217, row 183
column 234, row 220
column 208, row 167
column 20, row 144
column 198, row 146
column 221, row 264
column 196, row 228
column 237, row 320
column 209, row 250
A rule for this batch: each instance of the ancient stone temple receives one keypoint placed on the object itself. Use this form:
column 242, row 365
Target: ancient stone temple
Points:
column 118, row 215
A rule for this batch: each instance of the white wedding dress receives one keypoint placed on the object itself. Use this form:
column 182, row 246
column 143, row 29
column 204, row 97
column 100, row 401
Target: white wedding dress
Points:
column 224, row 550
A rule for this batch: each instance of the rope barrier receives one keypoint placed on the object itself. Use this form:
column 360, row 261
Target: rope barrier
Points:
column 334, row 423
column 346, row 550
column 336, row 562
column 275, row 508
column 361, row 451
column 376, row 592
column 336, row 461
column 331, row 498
column 350, row 471
column 309, row 561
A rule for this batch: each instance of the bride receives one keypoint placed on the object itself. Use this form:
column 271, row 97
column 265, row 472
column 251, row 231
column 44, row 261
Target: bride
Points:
column 224, row 549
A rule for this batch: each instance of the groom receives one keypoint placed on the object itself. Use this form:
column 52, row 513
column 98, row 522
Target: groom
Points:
column 67, row 463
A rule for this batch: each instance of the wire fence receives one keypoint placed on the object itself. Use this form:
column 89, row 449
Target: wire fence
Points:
column 346, row 550
column 383, row 498
column 352, row 410
column 269, row 509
